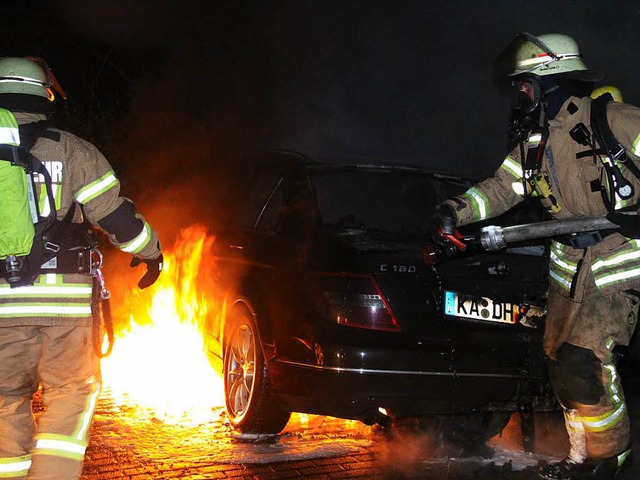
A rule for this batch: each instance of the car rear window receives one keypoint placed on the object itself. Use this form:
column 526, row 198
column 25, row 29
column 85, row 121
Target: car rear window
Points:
column 390, row 201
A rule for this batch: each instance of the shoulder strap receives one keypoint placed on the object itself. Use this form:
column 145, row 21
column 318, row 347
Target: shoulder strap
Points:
column 31, row 132
column 29, row 135
column 605, row 137
column 599, row 123
column 615, row 152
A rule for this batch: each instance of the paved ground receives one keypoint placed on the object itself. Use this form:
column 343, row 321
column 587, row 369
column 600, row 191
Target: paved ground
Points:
column 130, row 444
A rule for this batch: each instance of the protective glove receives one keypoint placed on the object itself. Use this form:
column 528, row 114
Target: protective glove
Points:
column 442, row 223
column 445, row 217
column 154, row 267
column 629, row 223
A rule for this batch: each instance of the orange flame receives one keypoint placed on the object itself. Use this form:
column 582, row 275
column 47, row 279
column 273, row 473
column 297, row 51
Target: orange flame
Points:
column 159, row 364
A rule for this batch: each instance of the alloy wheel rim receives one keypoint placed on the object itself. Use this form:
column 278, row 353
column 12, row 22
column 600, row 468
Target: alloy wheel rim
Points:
column 241, row 370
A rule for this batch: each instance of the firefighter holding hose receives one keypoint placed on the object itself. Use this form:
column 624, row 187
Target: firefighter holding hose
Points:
column 579, row 156
column 51, row 182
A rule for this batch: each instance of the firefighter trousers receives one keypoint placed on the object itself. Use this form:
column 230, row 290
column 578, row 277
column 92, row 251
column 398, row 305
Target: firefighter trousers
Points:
column 50, row 444
column 579, row 341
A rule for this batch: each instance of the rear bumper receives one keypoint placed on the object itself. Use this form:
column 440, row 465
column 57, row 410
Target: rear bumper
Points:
column 360, row 392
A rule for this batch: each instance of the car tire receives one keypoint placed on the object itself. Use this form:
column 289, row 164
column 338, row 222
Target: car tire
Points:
column 250, row 406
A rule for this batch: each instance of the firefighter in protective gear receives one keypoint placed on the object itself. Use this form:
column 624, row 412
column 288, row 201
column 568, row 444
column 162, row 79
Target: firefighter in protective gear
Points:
column 46, row 328
column 594, row 278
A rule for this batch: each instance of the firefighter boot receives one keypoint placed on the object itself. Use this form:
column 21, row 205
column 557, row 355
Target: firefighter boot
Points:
column 605, row 469
column 563, row 470
column 608, row 468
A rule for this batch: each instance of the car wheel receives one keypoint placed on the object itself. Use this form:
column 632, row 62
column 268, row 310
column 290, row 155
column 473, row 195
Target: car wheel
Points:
column 250, row 405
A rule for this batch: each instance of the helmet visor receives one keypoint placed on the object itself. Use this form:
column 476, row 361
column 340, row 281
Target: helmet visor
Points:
column 51, row 83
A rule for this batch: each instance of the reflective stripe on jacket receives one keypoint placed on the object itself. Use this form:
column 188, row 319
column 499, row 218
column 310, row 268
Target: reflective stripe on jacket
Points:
column 9, row 133
column 52, row 295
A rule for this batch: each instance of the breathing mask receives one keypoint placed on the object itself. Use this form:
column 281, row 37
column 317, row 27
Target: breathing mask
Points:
column 527, row 107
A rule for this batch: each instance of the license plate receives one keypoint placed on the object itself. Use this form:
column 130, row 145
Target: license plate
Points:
column 483, row 308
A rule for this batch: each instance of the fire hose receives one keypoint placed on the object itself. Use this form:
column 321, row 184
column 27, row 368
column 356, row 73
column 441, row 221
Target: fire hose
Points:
column 493, row 238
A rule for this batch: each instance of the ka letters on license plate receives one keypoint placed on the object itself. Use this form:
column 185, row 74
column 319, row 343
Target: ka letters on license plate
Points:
column 480, row 308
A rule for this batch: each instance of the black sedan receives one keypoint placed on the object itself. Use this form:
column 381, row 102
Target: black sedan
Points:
column 339, row 305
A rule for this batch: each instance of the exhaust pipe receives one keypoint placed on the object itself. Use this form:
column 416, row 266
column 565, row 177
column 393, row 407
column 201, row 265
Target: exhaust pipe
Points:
column 495, row 238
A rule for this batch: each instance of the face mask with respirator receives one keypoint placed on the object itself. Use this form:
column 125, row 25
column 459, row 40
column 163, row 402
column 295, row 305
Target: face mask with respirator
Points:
column 527, row 108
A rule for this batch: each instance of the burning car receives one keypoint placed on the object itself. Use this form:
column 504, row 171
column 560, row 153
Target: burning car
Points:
column 336, row 306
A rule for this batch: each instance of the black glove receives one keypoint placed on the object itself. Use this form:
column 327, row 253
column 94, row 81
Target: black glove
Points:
column 154, row 267
column 443, row 221
column 629, row 223
column 446, row 218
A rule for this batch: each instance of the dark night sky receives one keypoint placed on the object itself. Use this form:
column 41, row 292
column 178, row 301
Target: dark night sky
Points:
column 391, row 81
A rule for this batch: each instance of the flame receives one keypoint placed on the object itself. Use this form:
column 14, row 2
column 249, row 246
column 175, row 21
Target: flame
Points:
column 159, row 363
column 159, row 367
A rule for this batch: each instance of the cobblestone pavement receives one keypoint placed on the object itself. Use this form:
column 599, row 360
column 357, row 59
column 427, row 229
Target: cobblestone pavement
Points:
column 127, row 443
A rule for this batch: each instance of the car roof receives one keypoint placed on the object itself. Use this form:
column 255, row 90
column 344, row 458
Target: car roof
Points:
column 287, row 158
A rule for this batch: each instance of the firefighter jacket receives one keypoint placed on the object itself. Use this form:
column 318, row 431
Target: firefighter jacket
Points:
column 80, row 174
column 570, row 176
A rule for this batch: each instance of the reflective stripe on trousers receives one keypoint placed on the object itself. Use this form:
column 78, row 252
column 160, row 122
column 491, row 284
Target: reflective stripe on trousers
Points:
column 15, row 467
column 60, row 446
column 63, row 453
column 600, row 430
column 61, row 358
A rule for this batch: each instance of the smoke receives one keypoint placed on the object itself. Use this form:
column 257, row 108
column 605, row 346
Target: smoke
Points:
column 394, row 82
column 416, row 446
column 410, row 82
column 202, row 82
column 138, row 25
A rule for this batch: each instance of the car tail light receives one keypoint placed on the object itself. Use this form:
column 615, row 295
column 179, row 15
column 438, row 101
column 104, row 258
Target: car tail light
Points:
column 356, row 300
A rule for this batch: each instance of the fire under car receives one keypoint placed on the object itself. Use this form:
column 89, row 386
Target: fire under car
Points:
column 337, row 304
